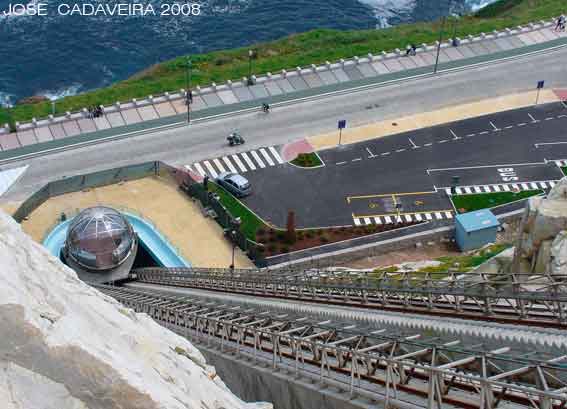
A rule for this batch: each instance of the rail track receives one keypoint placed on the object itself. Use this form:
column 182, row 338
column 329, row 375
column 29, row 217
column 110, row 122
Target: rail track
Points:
column 409, row 370
column 534, row 300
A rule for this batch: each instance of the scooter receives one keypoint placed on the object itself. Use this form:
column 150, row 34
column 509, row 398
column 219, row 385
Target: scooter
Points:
column 235, row 139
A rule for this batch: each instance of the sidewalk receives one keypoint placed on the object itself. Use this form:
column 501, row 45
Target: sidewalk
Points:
column 432, row 118
column 300, row 82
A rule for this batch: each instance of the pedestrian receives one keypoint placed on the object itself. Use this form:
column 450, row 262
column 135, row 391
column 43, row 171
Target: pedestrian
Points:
column 560, row 25
column 411, row 50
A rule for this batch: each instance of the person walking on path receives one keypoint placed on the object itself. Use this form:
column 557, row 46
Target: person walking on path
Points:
column 560, row 25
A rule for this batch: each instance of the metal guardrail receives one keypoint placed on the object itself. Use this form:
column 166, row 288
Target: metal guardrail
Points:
column 530, row 299
column 402, row 371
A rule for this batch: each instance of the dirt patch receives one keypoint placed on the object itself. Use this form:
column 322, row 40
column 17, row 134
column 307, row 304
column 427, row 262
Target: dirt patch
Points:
column 277, row 242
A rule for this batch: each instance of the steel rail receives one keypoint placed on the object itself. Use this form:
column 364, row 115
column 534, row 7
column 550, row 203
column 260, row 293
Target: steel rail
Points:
column 402, row 370
column 538, row 300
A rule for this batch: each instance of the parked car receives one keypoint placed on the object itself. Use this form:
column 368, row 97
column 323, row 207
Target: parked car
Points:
column 236, row 184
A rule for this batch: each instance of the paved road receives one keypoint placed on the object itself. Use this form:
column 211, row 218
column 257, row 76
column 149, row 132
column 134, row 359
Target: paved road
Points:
column 206, row 140
column 366, row 180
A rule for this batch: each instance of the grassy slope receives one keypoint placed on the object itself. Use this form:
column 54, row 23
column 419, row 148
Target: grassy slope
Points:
column 313, row 47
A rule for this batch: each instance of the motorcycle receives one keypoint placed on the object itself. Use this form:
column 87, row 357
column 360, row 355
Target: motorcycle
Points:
column 235, row 139
column 265, row 108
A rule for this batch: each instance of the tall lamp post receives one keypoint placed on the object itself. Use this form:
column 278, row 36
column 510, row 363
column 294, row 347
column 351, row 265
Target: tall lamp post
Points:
column 188, row 92
column 251, row 55
column 439, row 44
column 234, row 228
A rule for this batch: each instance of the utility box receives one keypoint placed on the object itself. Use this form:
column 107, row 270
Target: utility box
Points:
column 475, row 229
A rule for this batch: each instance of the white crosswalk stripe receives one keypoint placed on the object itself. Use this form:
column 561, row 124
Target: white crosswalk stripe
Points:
column 239, row 162
column 267, row 157
column 219, row 165
column 511, row 187
column 257, row 159
column 210, row 168
column 248, row 161
column 229, row 164
column 404, row 218
column 200, row 169
column 275, row 154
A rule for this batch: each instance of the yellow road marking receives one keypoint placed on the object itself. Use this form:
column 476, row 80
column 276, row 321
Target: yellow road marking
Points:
column 349, row 198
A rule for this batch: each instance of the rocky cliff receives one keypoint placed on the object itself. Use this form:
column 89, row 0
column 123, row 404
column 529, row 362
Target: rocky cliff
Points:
column 542, row 243
column 542, row 240
column 64, row 345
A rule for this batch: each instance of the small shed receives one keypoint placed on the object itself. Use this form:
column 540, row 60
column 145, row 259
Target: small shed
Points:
column 475, row 229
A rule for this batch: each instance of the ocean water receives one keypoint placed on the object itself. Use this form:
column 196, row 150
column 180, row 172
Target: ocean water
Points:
column 59, row 55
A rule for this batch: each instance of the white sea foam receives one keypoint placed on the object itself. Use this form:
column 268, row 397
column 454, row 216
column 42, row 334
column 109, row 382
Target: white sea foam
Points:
column 6, row 100
column 61, row 92
column 475, row 5
column 386, row 9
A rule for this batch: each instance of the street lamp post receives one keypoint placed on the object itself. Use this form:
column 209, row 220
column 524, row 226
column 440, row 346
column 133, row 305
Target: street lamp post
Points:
column 250, row 56
column 439, row 44
column 188, row 92
column 235, row 225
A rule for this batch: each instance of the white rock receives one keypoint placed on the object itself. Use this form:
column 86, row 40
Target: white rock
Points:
column 558, row 260
column 64, row 345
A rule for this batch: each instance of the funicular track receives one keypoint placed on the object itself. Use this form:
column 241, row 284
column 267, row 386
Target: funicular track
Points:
column 527, row 299
column 400, row 370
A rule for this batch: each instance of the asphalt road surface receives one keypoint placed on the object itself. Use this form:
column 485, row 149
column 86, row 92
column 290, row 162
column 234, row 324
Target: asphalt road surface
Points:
column 207, row 139
column 414, row 168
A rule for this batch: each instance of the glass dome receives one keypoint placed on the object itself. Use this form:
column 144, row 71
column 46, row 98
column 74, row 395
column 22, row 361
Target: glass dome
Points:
column 100, row 238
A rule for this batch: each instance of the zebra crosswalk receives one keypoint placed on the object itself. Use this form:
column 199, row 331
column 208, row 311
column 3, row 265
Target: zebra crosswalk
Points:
column 237, row 163
column 510, row 187
column 403, row 218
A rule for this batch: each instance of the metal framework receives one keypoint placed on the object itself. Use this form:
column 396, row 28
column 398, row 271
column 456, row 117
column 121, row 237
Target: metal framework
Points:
column 399, row 370
column 539, row 300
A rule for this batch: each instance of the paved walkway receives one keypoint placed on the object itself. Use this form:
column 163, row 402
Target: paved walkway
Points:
column 433, row 118
column 286, row 85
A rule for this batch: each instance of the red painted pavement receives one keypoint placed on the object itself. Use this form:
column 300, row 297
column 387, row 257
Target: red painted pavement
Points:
column 291, row 150
column 561, row 94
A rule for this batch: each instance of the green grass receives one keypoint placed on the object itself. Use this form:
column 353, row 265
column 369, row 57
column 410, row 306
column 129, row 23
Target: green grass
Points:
column 250, row 223
column 564, row 170
column 469, row 203
column 307, row 160
column 313, row 47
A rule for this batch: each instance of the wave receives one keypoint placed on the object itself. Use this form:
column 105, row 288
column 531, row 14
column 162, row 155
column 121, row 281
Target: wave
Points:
column 6, row 100
column 384, row 10
column 475, row 5
column 54, row 95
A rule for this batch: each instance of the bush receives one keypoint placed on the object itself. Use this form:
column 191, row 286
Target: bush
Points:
column 323, row 239
column 309, row 234
column 280, row 235
column 319, row 232
column 285, row 249
column 271, row 248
